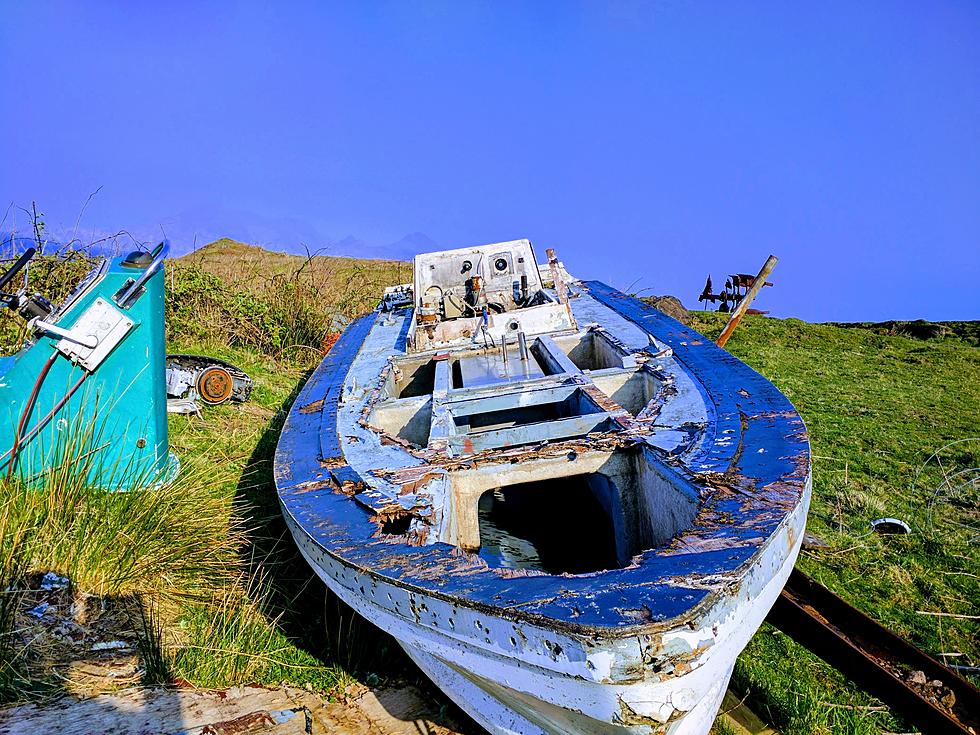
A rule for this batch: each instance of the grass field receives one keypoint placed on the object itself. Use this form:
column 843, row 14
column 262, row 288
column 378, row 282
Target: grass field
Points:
column 876, row 405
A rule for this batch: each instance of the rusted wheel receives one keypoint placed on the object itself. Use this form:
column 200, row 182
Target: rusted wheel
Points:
column 214, row 385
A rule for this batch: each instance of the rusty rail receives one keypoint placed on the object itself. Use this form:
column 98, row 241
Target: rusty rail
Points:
column 876, row 659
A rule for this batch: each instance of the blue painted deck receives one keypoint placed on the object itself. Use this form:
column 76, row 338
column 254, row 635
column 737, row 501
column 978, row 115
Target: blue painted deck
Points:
column 751, row 472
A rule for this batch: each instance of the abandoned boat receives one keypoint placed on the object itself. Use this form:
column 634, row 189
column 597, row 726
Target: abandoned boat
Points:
column 571, row 510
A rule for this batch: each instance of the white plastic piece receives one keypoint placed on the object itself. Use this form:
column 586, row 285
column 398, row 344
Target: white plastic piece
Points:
column 101, row 321
column 182, row 405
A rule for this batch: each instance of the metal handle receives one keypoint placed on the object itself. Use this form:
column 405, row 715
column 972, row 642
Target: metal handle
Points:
column 87, row 340
column 23, row 260
column 160, row 253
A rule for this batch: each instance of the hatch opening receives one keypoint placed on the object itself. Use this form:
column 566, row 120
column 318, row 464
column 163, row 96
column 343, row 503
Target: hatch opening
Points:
column 561, row 526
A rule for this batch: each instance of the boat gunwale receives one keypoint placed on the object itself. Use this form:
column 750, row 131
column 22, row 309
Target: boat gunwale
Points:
column 691, row 349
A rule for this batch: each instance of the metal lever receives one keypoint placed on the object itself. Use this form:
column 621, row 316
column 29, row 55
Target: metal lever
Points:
column 160, row 253
column 88, row 340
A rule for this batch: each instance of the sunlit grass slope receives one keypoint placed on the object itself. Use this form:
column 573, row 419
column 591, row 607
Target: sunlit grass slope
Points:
column 876, row 406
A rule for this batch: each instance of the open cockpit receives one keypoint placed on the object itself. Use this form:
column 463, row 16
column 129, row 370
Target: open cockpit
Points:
column 513, row 406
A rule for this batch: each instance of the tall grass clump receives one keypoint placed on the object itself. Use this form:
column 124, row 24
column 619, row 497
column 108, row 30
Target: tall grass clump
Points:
column 286, row 306
column 12, row 571
column 284, row 319
column 162, row 544
column 170, row 538
column 238, row 637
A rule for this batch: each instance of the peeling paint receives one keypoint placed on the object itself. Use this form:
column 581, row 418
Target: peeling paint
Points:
column 671, row 620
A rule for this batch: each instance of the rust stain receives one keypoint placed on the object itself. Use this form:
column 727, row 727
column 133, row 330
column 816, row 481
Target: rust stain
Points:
column 314, row 407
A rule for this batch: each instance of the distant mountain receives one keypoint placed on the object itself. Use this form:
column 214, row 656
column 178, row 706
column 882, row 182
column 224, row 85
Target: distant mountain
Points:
column 196, row 226
column 12, row 244
column 282, row 235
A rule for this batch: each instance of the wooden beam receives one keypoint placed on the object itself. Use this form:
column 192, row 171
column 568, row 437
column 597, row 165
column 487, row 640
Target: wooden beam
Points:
column 743, row 306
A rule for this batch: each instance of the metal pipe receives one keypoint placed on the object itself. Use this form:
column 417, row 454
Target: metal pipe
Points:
column 503, row 354
column 522, row 345
column 743, row 306
column 160, row 253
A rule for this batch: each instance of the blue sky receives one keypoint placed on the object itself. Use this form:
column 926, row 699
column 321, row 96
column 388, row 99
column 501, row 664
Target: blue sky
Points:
column 649, row 143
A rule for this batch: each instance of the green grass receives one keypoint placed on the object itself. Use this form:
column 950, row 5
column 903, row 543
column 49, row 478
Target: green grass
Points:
column 252, row 636
column 876, row 406
column 876, row 403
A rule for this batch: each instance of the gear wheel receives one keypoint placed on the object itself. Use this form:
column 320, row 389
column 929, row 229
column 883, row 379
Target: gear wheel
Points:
column 214, row 385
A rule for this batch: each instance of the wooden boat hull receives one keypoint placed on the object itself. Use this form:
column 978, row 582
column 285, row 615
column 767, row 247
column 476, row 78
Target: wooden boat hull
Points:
column 544, row 682
column 699, row 467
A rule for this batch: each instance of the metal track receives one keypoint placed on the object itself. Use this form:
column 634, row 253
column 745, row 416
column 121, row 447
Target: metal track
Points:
column 875, row 659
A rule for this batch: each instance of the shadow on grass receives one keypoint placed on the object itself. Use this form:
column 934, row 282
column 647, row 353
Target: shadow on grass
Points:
column 312, row 616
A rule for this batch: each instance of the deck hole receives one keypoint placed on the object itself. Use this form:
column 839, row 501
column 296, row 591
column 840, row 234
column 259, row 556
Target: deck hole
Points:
column 417, row 378
column 396, row 525
column 559, row 526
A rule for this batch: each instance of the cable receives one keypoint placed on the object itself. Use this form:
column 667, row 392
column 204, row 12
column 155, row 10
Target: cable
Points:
column 43, row 422
column 452, row 299
column 28, row 407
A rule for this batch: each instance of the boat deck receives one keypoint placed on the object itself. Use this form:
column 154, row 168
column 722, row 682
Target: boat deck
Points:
column 747, row 465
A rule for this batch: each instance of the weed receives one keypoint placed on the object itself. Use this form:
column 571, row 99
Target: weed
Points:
column 151, row 633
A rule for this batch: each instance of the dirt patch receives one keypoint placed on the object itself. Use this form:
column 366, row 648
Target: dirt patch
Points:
column 235, row 711
column 87, row 644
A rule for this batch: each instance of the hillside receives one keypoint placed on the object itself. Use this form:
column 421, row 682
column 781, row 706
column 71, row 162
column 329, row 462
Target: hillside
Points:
column 253, row 267
column 230, row 293
column 877, row 405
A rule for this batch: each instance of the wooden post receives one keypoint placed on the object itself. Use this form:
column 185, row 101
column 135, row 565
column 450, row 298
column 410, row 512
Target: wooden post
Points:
column 560, row 288
column 743, row 306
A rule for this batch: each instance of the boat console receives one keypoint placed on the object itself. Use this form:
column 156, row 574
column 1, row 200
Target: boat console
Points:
column 484, row 296
column 88, row 385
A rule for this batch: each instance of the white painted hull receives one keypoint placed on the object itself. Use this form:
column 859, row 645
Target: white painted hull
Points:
column 526, row 689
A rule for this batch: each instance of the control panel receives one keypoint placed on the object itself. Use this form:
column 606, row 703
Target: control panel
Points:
column 463, row 283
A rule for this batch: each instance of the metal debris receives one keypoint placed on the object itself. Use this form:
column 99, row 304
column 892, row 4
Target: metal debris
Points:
column 52, row 581
column 891, row 526
column 886, row 665
column 208, row 379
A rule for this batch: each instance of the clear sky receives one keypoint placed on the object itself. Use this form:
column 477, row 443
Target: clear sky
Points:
column 650, row 143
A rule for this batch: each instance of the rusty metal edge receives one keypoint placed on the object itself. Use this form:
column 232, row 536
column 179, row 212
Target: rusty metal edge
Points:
column 819, row 630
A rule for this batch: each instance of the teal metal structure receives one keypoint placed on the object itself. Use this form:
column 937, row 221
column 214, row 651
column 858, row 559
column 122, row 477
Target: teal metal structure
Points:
column 88, row 387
